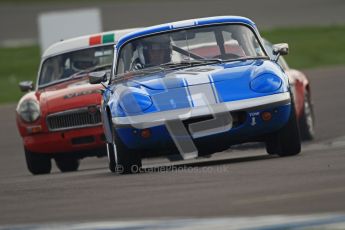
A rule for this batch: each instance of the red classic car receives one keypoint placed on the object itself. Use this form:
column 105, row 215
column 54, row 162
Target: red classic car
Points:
column 59, row 118
column 302, row 96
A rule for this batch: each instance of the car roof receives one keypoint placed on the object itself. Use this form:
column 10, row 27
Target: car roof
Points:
column 82, row 42
column 185, row 24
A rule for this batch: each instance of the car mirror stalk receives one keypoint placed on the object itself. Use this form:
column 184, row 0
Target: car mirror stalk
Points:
column 280, row 49
column 98, row 77
column 26, row 86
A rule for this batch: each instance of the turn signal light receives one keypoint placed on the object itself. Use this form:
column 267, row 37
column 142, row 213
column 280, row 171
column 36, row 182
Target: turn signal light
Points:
column 34, row 129
column 266, row 116
column 145, row 133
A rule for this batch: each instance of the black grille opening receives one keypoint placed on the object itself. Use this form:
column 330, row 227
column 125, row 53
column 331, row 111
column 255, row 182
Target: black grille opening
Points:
column 73, row 119
column 83, row 140
column 238, row 118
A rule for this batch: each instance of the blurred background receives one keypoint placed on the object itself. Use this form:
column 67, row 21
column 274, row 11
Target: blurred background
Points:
column 315, row 29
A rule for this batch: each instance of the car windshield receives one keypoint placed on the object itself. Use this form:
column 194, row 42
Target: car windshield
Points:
column 63, row 66
column 189, row 46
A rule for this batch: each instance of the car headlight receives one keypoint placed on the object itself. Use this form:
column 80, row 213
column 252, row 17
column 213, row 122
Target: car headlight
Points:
column 266, row 83
column 29, row 110
column 135, row 102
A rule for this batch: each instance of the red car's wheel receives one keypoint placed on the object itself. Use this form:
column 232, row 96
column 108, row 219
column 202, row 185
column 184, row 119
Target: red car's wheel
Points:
column 37, row 163
column 306, row 122
column 67, row 164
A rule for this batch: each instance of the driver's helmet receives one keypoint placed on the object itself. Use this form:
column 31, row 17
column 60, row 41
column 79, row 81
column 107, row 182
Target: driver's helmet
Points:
column 82, row 60
column 154, row 44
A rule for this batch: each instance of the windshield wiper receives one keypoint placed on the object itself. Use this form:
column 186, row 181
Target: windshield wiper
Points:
column 190, row 63
column 245, row 59
column 206, row 61
column 148, row 70
column 173, row 64
column 136, row 73
column 92, row 69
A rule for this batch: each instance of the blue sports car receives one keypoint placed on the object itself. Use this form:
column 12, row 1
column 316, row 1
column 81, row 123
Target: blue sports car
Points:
column 192, row 88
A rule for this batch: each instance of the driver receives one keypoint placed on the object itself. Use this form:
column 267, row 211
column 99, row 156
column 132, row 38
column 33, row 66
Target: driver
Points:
column 151, row 51
column 78, row 61
column 83, row 60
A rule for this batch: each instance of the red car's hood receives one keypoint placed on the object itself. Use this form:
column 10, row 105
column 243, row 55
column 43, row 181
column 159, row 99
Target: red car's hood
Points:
column 70, row 95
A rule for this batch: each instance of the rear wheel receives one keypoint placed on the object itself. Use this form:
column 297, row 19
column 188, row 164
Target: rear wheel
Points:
column 286, row 141
column 306, row 122
column 121, row 159
column 37, row 163
column 67, row 164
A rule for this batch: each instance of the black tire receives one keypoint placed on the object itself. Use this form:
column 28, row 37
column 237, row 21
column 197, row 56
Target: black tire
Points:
column 306, row 122
column 121, row 159
column 67, row 164
column 37, row 163
column 111, row 156
column 286, row 141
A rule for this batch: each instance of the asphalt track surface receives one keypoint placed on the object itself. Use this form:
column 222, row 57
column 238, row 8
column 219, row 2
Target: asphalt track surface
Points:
column 18, row 21
column 240, row 182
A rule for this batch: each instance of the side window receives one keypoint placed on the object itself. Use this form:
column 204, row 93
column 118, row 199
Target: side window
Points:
column 241, row 41
column 128, row 56
column 269, row 50
column 52, row 70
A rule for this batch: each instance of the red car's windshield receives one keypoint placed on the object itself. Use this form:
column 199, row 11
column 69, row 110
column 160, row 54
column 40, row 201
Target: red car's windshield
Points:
column 63, row 66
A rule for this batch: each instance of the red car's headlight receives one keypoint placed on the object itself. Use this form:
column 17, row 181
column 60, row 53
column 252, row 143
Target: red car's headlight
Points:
column 29, row 110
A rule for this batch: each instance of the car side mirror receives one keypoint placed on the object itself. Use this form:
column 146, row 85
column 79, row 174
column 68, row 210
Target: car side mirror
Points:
column 97, row 77
column 26, row 86
column 280, row 49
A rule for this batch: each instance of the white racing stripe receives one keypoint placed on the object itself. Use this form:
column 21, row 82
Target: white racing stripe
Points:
column 159, row 118
column 199, row 88
column 200, row 85
column 200, row 78
column 202, row 95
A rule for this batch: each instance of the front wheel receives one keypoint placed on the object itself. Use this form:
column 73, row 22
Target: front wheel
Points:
column 121, row 159
column 286, row 141
column 67, row 164
column 37, row 163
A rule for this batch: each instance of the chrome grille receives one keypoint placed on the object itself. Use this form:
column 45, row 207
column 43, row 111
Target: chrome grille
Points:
column 76, row 118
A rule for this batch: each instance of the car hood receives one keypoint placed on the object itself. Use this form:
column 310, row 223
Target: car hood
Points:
column 247, row 69
column 70, row 95
column 195, row 86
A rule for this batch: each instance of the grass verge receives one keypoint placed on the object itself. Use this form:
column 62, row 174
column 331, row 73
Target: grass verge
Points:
column 311, row 46
column 16, row 64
